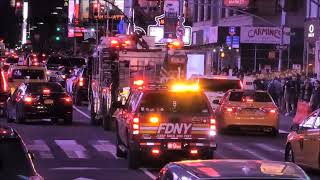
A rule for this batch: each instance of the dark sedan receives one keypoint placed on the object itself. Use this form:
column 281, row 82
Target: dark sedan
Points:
column 231, row 169
column 16, row 160
column 39, row 100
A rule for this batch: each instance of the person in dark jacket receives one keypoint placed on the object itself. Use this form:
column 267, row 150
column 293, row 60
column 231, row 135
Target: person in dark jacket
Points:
column 315, row 97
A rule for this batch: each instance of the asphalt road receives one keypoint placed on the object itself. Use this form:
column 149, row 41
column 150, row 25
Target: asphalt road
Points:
column 85, row 152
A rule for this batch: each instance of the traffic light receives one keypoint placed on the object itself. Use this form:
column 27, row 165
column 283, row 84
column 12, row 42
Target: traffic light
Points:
column 58, row 38
column 18, row 4
column 58, row 29
column 95, row 10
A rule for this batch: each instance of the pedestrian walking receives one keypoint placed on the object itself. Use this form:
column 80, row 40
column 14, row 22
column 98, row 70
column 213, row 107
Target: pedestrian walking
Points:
column 289, row 95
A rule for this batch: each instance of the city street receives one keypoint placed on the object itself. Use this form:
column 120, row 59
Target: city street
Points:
column 82, row 151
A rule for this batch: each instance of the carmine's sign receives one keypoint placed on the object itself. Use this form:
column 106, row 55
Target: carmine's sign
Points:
column 237, row 3
column 264, row 35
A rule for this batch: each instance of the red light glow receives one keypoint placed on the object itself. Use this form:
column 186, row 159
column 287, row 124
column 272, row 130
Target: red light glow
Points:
column 155, row 151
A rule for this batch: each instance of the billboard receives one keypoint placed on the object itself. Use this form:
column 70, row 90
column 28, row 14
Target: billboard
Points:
column 158, row 33
column 195, row 65
column 236, row 3
column 264, row 35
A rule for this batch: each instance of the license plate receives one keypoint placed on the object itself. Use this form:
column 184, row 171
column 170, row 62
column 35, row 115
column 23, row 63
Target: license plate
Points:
column 174, row 145
column 48, row 101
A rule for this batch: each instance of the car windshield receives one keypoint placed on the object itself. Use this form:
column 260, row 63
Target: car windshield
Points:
column 25, row 73
column 219, row 84
column 169, row 102
column 58, row 61
column 255, row 96
column 36, row 88
column 77, row 62
column 12, row 60
column 13, row 159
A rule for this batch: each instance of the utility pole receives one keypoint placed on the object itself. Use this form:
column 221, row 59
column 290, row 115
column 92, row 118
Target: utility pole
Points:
column 283, row 23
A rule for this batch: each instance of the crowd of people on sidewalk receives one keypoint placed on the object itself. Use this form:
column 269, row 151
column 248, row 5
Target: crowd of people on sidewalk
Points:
column 286, row 90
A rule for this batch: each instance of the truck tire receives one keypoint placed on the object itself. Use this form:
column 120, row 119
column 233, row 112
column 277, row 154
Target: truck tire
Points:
column 77, row 99
column 133, row 159
column 106, row 122
column 93, row 120
column 208, row 154
column 119, row 152
column 68, row 120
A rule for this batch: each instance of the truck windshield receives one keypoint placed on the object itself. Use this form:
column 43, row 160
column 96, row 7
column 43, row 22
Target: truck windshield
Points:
column 169, row 102
column 219, row 84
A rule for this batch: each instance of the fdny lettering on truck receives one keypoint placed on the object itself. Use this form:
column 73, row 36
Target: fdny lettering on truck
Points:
column 174, row 128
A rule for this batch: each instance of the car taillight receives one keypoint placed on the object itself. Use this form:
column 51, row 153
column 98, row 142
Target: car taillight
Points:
column 229, row 109
column 4, row 82
column 193, row 151
column 81, row 81
column 155, row 151
column 46, row 91
column 68, row 99
column 213, row 127
column 28, row 99
column 135, row 125
column 272, row 110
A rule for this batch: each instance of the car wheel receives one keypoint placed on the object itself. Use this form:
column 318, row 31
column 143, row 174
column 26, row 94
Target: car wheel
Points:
column 9, row 119
column 54, row 120
column 77, row 99
column 289, row 155
column 19, row 117
column 275, row 132
column 68, row 120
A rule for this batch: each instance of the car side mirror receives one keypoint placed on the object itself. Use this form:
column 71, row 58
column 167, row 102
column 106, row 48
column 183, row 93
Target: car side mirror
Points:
column 295, row 127
column 216, row 101
column 31, row 155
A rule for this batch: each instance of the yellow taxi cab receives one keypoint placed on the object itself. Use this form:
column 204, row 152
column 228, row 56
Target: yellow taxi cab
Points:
column 22, row 74
column 303, row 143
column 247, row 110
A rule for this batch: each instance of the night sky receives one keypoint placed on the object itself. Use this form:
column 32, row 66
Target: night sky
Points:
column 39, row 10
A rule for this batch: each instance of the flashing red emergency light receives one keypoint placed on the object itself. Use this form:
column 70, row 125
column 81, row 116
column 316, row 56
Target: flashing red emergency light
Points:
column 46, row 91
column 139, row 82
column 18, row 4
column 95, row 5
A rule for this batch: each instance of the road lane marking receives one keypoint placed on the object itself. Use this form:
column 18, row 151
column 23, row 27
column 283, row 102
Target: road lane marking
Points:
column 148, row 173
column 72, row 149
column 87, row 168
column 105, row 146
column 81, row 112
column 269, row 148
column 252, row 153
column 42, row 148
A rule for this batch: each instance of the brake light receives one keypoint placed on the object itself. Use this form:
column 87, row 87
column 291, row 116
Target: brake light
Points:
column 135, row 126
column 213, row 128
column 193, row 151
column 46, row 91
column 229, row 109
column 4, row 82
column 27, row 99
column 273, row 111
column 81, row 81
column 155, row 151
column 154, row 119
column 68, row 99
column 139, row 82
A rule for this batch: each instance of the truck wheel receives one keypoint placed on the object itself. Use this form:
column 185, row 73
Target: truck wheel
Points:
column 77, row 99
column 119, row 152
column 208, row 154
column 133, row 159
column 93, row 120
column 9, row 119
column 106, row 122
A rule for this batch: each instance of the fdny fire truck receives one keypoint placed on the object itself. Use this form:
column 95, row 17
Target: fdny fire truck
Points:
column 115, row 64
column 165, row 122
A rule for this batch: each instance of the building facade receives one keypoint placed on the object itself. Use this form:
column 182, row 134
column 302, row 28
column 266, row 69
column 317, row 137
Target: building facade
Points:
column 255, row 45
